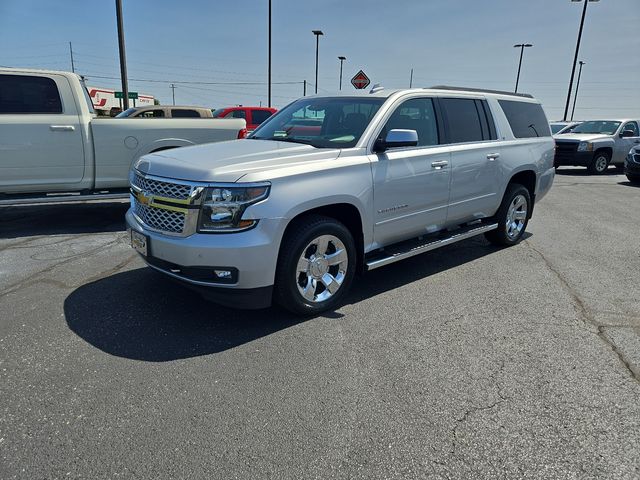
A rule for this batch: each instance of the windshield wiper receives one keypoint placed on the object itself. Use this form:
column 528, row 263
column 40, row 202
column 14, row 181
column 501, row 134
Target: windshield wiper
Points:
column 292, row 140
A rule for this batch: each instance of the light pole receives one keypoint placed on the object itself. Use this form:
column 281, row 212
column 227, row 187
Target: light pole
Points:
column 575, row 58
column 317, row 33
column 342, row 59
column 575, row 96
column 123, row 59
column 521, row 46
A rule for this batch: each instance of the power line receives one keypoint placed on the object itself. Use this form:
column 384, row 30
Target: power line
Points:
column 184, row 82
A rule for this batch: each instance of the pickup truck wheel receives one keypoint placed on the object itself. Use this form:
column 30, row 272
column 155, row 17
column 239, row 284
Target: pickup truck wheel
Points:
column 599, row 163
column 634, row 179
column 316, row 266
column 512, row 216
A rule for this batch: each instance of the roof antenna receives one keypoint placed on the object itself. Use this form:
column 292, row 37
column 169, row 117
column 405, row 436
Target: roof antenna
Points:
column 376, row 88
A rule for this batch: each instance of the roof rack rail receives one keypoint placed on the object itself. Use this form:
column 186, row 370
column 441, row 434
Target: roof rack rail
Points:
column 483, row 90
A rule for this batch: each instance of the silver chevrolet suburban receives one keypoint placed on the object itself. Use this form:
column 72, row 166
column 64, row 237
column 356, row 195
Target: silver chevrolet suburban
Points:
column 332, row 186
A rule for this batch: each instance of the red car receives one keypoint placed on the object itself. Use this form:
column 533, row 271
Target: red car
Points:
column 254, row 116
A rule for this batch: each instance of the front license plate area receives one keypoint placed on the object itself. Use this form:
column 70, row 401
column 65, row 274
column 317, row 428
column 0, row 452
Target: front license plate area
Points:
column 139, row 242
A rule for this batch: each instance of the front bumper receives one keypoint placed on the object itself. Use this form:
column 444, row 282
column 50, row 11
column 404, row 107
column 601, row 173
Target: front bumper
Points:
column 251, row 256
column 632, row 166
column 574, row 159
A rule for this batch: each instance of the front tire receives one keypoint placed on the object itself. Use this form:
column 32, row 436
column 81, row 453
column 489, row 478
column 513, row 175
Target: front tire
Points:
column 316, row 266
column 512, row 216
column 599, row 163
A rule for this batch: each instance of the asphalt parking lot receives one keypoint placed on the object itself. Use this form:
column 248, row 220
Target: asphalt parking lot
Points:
column 467, row 362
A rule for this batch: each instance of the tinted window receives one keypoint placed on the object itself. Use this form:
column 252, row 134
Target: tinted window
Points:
column 26, row 94
column 526, row 119
column 415, row 114
column 597, row 126
column 155, row 113
column 218, row 112
column 631, row 126
column 463, row 119
column 184, row 114
column 259, row 116
column 236, row 114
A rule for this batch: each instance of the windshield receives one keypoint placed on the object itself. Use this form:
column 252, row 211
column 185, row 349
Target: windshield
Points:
column 556, row 127
column 127, row 113
column 217, row 112
column 335, row 122
column 597, row 126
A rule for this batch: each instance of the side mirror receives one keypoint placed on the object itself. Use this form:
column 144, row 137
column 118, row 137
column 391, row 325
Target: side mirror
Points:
column 397, row 138
column 627, row 134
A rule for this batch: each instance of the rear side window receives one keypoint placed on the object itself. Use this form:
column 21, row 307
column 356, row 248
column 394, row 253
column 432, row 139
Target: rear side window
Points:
column 526, row 119
column 259, row 116
column 156, row 113
column 27, row 94
column 467, row 120
column 236, row 114
column 184, row 114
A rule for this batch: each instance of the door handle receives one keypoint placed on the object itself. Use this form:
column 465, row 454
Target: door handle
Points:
column 439, row 165
column 493, row 156
column 62, row 128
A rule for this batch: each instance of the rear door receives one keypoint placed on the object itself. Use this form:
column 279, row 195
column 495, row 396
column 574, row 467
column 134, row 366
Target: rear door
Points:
column 257, row 117
column 475, row 175
column 40, row 133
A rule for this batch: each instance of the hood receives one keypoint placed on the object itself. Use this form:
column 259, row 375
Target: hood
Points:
column 582, row 137
column 230, row 161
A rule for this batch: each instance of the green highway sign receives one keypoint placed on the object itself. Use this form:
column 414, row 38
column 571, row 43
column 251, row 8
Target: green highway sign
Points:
column 132, row 95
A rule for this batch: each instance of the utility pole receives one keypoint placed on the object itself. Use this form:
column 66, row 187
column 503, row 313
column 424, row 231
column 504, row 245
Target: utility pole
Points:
column 575, row 96
column 173, row 93
column 304, row 88
column 575, row 58
column 73, row 68
column 269, row 95
column 411, row 79
column 123, row 59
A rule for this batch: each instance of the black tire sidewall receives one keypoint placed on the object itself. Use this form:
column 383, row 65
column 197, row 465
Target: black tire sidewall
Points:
column 592, row 166
column 287, row 294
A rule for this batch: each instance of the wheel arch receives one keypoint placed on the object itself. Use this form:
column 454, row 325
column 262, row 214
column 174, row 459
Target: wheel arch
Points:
column 528, row 179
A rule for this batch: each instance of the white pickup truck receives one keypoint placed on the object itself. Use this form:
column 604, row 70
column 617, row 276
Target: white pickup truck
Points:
column 51, row 140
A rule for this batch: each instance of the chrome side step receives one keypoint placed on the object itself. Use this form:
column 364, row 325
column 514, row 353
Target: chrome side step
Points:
column 410, row 248
column 31, row 199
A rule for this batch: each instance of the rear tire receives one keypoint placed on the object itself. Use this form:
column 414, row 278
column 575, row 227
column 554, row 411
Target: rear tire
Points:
column 512, row 216
column 633, row 179
column 316, row 266
column 599, row 162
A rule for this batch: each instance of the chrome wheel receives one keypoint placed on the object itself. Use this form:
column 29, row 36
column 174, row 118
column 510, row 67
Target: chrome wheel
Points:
column 516, row 217
column 600, row 163
column 321, row 268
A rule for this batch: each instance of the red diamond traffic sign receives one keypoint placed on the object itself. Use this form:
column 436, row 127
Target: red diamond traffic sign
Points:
column 360, row 80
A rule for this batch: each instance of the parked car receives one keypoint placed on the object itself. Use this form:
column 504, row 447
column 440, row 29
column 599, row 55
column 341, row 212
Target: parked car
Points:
column 293, row 212
column 596, row 144
column 51, row 140
column 632, row 165
column 563, row 127
column 166, row 111
column 253, row 115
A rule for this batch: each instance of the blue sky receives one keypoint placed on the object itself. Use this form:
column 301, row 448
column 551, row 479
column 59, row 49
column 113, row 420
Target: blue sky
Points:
column 456, row 42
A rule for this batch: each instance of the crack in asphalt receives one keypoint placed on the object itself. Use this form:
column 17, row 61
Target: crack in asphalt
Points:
column 585, row 314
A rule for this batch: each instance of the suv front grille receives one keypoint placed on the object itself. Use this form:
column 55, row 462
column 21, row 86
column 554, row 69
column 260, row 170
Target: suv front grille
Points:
column 159, row 219
column 162, row 189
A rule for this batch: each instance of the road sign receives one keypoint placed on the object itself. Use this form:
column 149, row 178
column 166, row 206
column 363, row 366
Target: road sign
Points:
column 360, row 80
column 132, row 95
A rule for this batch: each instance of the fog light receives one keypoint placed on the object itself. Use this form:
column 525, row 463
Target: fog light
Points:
column 222, row 273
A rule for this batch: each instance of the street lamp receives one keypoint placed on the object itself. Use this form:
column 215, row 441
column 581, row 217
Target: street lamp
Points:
column 342, row 59
column 575, row 97
column 521, row 46
column 317, row 33
column 123, row 58
column 575, row 58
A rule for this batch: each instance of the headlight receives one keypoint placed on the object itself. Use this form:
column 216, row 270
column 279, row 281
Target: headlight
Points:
column 223, row 206
column 585, row 147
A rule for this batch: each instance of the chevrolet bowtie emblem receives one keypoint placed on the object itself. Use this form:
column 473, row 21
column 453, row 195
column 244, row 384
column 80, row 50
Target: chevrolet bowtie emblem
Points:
column 145, row 198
